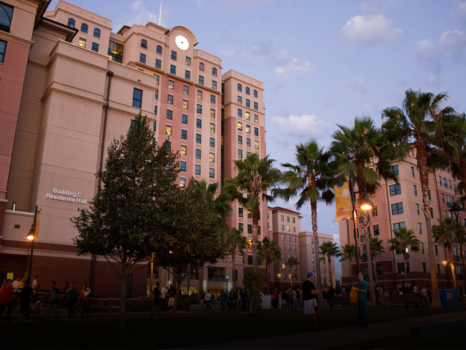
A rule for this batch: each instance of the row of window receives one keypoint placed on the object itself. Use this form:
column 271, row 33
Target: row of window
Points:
column 171, row 86
column 248, row 104
column 82, row 43
column 288, row 238
column 445, row 183
column 249, row 213
column 248, row 129
column 84, row 27
column 287, row 228
column 289, row 247
column 197, row 171
column 247, row 90
column 282, row 218
column 241, row 229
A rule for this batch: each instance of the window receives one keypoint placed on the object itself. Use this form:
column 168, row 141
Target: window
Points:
column 115, row 52
column 294, row 248
column 431, row 212
column 293, row 220
column 71, row 21
column 256, row 118
column 240, row 212
column 445, row 182
column 289, row 247
column 240, row 100
column 144, row 44
column 184, row 134
column 240, row 113
column 249, row 229
column 184, row 150
column 84, row 27
column 240, row 88
column 256, row 131
column 415, row 190
column 240, row 139
column 188, row 61
column 240, row 126
column 187, row 74
column 397, row 208
column 214, row 71
column 438, row 269
column 248, row 142
column 212, row 157
column 142, row 58
column 201, row 66
column 157, row 80
column 169, row 114
column 440, row 180
column 417, row 209
column 248, row 154
column 395, row 189
column 375, row 212
column 198, row 138
column 95, row 47
column 421, row 247
column 212, row 113
column 211, row 172
column 248, row 103
column 185, row 104
column 173, row 55
column 168, row 130
column 137, row 98
column 197, row 169
column 240, row 153
column 412, row 171
column 201, row 80
column 2, row 50
column 379, row 269
column 240, row 228
column 256, row 106
column 82, row 42
column 198, row 152
column 398, row 225
column 198, row 123
column 155, row 110
column 183, row 166
column 449, row 183
column 184, row 119
column 97, row 32
column 248, row 116
column 212, row 99
column 170, row 99
column 212, row 142
column 248, row 129
column 288, row 238
column 172, row 69
column 401, row 268
column 199, row 108
column 424, row 267
column 283, row 227
column 256, row 144
column 185, row 89
column 212, row 127
column 154, row 126
column 394, row 169
column 376, row 230
column 255, row 93
column 214, row 85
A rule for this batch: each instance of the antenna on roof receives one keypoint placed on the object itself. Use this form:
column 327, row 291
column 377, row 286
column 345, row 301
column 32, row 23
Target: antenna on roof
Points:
column 160, row 13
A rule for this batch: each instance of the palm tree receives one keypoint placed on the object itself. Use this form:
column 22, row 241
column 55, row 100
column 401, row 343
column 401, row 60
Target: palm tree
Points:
column 254, row 177
column 273, row 253
column 237, row 243
column 330, row 249
column 311, row 180
column 348, row 252
column 403, row 240
column 420, row 123
column 377, row 248
column 291, row 262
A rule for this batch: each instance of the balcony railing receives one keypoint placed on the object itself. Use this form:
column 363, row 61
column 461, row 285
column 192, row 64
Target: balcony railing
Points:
column 192, row 276
column 217, row 278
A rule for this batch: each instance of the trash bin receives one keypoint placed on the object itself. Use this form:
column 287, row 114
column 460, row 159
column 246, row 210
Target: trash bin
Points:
column 449, row 298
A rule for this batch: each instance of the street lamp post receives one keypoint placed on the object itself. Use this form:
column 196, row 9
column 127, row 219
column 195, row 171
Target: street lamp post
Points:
column 279, row 275
column 32, row 237
column 455, row 208
column 266, row 242
column 354, row 216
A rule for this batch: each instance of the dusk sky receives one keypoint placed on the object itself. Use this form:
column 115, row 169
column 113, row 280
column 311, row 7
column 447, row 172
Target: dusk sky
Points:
column 322, row 62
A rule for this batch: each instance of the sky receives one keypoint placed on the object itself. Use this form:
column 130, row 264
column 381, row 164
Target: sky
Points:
column 322, row 63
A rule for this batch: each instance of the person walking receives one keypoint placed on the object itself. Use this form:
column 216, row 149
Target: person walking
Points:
column 84, row 298
column 15, row 285
column 163, row 293
column 6, row 297
column 362, row 301
column 71, row 299
column 35, row 283
column 310, row 300
column 232, row 300
column 414, row 290
column 52, row 303
column 25, row 300
column 405, row 290
column 207, row 298
column 223, row 299
column 171, row 298
column 157, row 295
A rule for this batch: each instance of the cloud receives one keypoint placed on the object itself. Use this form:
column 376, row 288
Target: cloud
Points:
column 309, row 126
column 461, row 13
column 140, row 15
column 366, row 31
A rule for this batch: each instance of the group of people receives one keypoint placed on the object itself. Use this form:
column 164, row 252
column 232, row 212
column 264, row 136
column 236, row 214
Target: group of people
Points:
column 160, row 293
column 21, row 292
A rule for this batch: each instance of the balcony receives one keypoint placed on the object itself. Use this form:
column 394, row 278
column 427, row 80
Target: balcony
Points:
column 216, row 278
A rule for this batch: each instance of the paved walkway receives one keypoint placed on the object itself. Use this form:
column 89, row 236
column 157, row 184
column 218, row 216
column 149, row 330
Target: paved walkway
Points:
column 336, row 337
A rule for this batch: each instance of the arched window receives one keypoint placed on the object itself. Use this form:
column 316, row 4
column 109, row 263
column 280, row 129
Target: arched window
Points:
column 71, row 22
column 201, row 66
column 240, row 88
column 97, row 32
column 255, row 93
column 6, row 15
column 84, row 28
column 144, row 43
column 247, row 91
column 159, row 49
column 214, row 71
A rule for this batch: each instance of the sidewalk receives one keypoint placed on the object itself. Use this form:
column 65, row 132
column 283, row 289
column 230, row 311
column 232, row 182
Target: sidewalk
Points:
column 336, row 337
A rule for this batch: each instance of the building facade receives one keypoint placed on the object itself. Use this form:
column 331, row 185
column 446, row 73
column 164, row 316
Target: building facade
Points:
column 83, row 85
column 400, row 205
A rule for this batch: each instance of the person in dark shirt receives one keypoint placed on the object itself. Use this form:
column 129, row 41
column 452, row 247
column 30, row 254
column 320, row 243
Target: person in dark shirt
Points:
column 310, row 300
column 52, row 303
column 71, row 299
column 25, row 300
column 157, row 294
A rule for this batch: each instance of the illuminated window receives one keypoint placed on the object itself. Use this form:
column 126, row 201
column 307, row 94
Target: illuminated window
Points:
column 199, row 94
column 171, row 84
column 188, row 61
column 212, row 113
column 184, row 150
column 115, row 52
column 212, row 157
column 201, row 66
column 248, row 116
column 240, row 212
column 240, row 126
column 82, row 42
column 248, row 129
column 212, row 127
column 182, row 182
column 170, row 99
column 256, row 144
column 168, row 130
column 185, row 104
column 256, row 118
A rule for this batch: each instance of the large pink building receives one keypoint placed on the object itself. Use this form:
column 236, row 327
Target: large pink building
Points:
column 83, row 85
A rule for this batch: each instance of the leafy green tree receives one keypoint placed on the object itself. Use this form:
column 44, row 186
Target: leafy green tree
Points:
column 420, row 123
column 454, row 145
column 403, row 240
column 311, row 180
column 236, row 242
column 123, row 220
column 292, row 262
column 253, row 281
column 330, row 249
column 254, row 177
column 273, row 253
column 377, row 248
column 348, row 252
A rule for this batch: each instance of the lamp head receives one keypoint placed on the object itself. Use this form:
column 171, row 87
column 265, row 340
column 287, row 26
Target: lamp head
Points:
column 31, row 235
column 266, row 240
column 279, row 275
column 455, row 208
column 365, row 203
column 444, row 262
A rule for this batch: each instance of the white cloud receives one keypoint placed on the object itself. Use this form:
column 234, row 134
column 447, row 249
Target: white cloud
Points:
column 370, row 30
column 309, row 126
column 461, row 12
column 141, row 15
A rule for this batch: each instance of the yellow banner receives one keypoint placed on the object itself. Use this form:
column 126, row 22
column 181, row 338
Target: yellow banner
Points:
column 36, row 232
column 342, row 201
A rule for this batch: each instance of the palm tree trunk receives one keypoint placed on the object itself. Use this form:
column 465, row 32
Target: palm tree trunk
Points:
column 369, row 262
column 329, row 259
column 255, row 229
column 320, row 299
column 233, row 262
column 421, row 148
column 375, row 271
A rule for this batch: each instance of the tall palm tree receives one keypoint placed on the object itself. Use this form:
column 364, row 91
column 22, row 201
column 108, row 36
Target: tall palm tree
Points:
column 270, row 253
column 311, row 180
column 348, row 252
column 330, row 249
column 377, row 248
column 292, row 262
column 403, row 240
column 254, row 177
column 237, row 243
column 364, row 150
column 420, row 122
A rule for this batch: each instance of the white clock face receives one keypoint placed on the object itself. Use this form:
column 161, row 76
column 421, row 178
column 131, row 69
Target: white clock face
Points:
column 182, row 42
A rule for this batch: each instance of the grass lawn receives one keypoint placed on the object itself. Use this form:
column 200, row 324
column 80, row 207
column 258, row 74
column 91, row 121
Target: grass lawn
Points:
column 181, row 330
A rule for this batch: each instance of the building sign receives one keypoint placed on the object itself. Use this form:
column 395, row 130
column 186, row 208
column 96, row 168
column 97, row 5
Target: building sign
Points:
column 66, row 196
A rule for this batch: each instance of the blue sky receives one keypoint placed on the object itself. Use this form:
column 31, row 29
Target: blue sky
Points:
column 322, row 62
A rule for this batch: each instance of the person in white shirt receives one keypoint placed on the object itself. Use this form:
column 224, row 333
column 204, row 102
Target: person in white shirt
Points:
column 207, row 298
column 15, row 285
column 162, row 302
column 35, row 283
